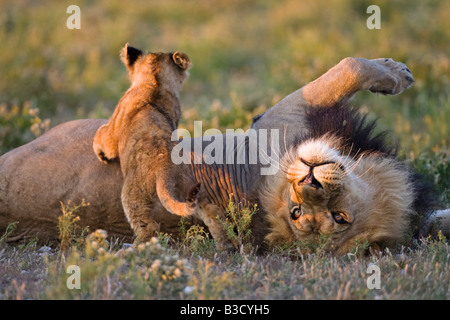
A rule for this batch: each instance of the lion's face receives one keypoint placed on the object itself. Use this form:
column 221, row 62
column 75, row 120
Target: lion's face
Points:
column 321, row 191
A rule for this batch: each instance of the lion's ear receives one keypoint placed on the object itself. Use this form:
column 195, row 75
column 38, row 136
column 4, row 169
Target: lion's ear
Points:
column 181, row 60
column 129, row 55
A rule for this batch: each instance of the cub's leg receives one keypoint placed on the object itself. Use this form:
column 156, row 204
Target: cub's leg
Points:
column 342, row 81
column 137, row 204
column 105, row 146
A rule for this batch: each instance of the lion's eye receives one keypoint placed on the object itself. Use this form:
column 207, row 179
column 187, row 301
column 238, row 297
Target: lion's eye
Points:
column 296, row 212
column 339, row 217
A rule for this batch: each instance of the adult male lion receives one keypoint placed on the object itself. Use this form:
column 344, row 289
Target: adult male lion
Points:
column 341, row 181
column 60, row 165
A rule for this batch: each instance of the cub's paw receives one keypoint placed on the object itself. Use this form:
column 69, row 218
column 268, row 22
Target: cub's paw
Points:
column 105, row 147
column 101, row 154
column 192, row 196
column 145, row 230
column 389, row 77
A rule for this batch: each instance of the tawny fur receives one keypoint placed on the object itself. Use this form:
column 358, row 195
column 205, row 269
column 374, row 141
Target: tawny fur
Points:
column 374, row 191
column 139, row 133
column 69, row 170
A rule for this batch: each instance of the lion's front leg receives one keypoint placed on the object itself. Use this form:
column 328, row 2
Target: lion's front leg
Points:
column 351, row 75
column 211, row 216
column 385, row 76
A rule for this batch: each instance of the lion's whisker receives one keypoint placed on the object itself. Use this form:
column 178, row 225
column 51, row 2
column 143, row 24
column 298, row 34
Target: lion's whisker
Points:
column 370, row 168
column 280, row 165
column 289, row 155
column 352, row 167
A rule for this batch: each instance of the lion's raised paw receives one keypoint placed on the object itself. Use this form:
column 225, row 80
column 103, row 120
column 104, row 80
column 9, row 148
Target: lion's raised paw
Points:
column 389, row 77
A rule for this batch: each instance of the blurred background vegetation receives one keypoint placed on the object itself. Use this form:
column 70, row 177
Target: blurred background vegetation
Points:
column 247, row 55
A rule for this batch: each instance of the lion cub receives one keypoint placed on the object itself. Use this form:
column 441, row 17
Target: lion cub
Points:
column 139, row 133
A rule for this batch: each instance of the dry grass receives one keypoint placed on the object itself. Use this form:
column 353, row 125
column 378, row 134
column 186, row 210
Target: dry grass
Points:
column 156, row 270
column 192, row 267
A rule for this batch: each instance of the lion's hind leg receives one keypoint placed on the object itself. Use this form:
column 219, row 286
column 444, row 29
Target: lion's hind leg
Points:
column 438, row 220
column 105, row 146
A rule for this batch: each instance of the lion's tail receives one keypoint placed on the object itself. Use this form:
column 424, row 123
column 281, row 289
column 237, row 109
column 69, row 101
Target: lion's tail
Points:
column 438, row 220
column 165, row 189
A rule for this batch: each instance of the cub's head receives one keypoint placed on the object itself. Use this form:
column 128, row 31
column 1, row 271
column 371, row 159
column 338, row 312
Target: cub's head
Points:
column 161, row 69
column 335, row 185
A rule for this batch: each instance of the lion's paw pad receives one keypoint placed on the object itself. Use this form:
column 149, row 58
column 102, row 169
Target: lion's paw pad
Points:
column 390, row 77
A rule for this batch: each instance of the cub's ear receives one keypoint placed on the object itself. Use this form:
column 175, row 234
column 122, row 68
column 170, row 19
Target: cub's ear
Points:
column 181, row 60
column 129, row 55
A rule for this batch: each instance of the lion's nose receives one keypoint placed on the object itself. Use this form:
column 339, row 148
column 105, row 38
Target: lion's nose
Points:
column 311, row 181
column 315, row 164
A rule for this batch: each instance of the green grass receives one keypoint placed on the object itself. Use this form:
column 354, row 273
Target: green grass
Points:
column 247, row 56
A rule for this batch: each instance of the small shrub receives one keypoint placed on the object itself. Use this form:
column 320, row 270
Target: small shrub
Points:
column 68, row 225
column 153, row 271
column 97, row 266
column 207, row 283
column 438, row 247
column 20, row 124
column 237, row 224
column 198, row 240
column 9, row 230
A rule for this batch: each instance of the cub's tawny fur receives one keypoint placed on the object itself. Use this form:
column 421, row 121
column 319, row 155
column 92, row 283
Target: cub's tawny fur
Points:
column 139, row 133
